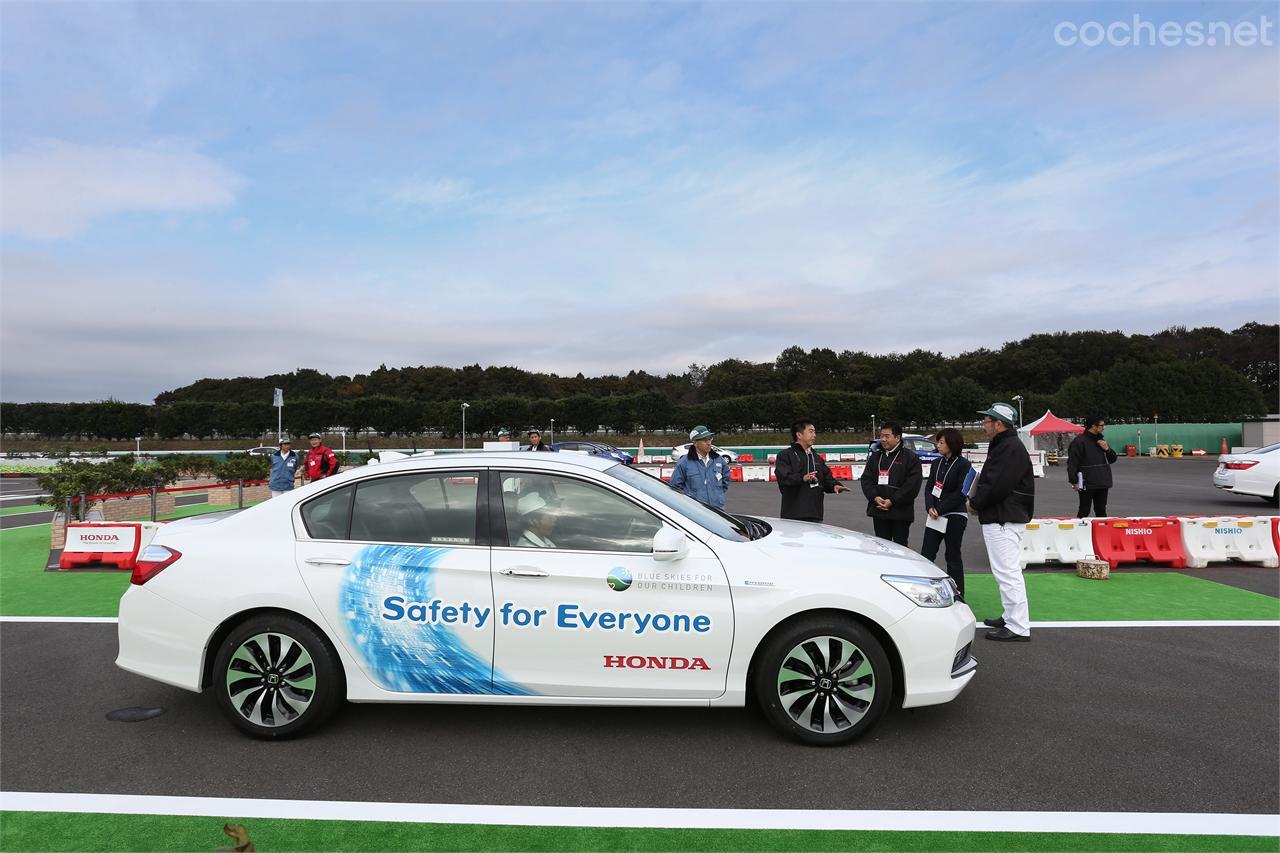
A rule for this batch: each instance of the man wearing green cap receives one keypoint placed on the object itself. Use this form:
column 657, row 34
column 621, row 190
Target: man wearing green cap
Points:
column 702, row 473
column 1004, row 499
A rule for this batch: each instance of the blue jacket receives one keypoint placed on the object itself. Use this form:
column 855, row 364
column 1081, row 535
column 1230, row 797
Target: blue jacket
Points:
column 706, row 483
column 283, row 469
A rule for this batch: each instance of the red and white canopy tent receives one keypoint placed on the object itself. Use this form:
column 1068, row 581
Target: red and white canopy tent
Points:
column 1048, row 432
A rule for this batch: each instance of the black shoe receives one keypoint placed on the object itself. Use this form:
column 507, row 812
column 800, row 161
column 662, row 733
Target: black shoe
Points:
column 997, row 622
column 1004, row 635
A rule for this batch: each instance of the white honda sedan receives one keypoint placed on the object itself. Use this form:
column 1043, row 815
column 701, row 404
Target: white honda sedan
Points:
column 523, row 578
column 1256, row 473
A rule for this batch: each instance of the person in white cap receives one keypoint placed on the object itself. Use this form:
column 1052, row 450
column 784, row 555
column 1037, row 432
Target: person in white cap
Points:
column 537, row 520
column 702, row 474
column 284, row 468
column 1004, row 499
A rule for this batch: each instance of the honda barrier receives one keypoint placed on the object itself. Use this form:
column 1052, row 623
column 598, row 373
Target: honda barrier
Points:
column 108, row 543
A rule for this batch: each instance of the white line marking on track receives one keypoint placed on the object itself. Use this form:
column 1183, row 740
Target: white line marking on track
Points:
column 1205, row 623
column 911, row 821
column 92, row 620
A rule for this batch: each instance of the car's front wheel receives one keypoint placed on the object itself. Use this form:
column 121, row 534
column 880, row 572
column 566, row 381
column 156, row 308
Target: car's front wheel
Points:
column 275, row 676
column 824, row 681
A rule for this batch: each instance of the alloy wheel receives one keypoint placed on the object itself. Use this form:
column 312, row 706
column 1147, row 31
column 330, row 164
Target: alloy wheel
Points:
column 826, row 684
column 271, row 680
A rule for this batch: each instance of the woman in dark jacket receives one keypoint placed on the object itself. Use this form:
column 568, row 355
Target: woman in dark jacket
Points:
column 944, row 498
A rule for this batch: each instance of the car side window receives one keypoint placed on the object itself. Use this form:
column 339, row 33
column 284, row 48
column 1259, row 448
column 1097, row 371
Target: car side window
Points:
column 431, row 508
column 326, row 517
column 551, row 511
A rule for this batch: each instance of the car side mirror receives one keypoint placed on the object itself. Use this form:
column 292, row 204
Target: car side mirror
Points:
column 669, row 544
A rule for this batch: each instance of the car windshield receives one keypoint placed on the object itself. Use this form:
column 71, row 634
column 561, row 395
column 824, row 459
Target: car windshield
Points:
column 1270, row 448
column 720, row 523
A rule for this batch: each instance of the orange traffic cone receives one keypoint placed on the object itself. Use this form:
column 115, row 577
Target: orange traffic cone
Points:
column 640, row 452
column 1224, row 445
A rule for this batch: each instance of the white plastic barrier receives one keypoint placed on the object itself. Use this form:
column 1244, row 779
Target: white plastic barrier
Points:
column 756, row 473
column 1052, row 540
column 651, row 470
column 667, row 472
column 1215, row 540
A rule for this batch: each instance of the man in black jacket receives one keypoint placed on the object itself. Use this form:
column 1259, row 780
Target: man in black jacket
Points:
column 803, row 476
column 1089, row 461
column 1004, row 498
column 535, row 441
column 891, row 482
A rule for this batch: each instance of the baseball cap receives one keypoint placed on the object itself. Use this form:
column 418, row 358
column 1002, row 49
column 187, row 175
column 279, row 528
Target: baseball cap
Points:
column 284, row 439
column 700, row 432
column 314, row 435
column 1002, row 412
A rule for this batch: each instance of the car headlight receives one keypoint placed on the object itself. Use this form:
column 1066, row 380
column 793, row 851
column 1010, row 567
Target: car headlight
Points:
column 923, row 592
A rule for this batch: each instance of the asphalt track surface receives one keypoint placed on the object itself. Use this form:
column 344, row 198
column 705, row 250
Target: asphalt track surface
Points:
column 1115, row 719
column 22, row 492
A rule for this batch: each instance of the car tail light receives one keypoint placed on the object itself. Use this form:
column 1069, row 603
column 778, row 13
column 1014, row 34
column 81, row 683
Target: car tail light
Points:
column 1240, row 466
column 151, row 561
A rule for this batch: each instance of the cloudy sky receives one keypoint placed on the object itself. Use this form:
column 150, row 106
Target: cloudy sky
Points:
column 205, row 189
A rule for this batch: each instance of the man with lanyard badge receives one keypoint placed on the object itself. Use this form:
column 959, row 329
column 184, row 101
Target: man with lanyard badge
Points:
column 803, row 476
column 702, row 474
column 891, row 481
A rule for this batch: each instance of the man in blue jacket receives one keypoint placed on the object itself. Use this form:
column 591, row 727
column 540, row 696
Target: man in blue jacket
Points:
column 702, row 473
column 284, row 468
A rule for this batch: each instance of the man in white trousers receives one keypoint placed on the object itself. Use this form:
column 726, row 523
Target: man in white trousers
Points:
column 1004, row 499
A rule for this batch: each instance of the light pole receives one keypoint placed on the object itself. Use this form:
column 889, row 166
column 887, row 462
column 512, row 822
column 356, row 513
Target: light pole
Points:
column 465, row 406
column 552, row 431
column 1018, row 397
column 873, row 427
column 137, row 445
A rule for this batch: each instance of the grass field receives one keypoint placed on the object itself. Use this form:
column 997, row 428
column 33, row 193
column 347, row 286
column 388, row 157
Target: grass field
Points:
column 61, row 831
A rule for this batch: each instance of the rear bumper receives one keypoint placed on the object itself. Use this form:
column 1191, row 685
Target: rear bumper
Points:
column 160, row 640
column 935, row 646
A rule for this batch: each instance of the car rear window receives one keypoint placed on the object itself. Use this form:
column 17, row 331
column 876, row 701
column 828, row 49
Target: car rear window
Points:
column 435, row 508
column 327, row 516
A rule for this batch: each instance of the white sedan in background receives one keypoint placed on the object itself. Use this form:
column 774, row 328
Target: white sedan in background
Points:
column 529, row 578
column 1256, row 473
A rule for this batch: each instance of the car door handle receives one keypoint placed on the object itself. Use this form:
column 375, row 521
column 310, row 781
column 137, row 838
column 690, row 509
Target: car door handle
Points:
column 523, row 572
column 326, row 561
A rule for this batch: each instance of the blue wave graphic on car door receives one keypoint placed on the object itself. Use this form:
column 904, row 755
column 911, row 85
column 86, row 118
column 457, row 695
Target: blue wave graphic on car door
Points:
column 402, row 655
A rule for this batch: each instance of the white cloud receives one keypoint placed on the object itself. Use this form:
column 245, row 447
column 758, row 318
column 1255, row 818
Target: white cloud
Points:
column 431, row 193
column 53, row 189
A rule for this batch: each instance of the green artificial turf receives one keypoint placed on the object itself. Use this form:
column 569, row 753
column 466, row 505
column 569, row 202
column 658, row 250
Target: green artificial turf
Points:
column 64, row 831
column 26, row 589
column 21, row 510
column 1125, row 596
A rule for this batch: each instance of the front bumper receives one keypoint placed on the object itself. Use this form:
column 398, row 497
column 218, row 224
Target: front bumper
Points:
column 160, row 640
column 935, row 646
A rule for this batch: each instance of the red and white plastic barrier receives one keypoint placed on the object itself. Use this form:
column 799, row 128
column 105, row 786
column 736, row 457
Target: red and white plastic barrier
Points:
column 113, row 543
column 1131, row 540
column 1214, row 540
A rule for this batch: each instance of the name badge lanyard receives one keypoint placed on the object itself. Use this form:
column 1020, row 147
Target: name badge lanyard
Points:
column 884, row 472
column 940, row 484
column 811, row 467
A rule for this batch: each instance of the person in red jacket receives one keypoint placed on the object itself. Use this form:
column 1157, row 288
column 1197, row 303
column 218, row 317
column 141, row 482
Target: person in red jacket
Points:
column 321, row 462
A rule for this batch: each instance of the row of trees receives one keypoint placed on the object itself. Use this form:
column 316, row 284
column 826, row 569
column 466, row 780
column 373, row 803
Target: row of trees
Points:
column 1189, row 391
column 1039, row 364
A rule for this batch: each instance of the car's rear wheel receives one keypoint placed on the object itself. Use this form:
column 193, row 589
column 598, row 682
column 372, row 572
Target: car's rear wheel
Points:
column 275, row 676
column 824, row 681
